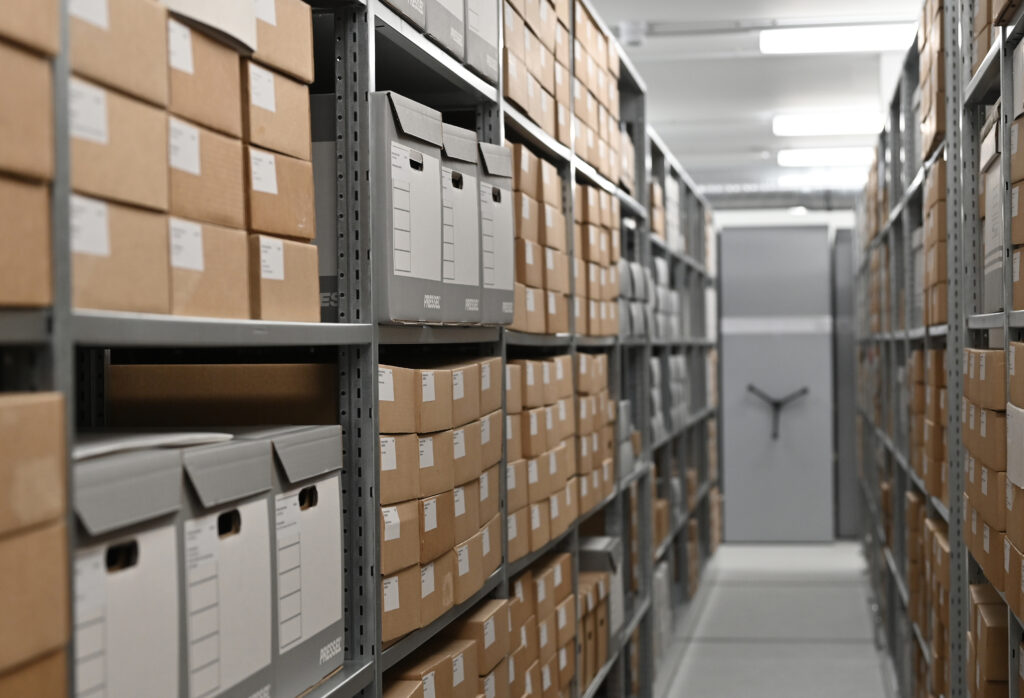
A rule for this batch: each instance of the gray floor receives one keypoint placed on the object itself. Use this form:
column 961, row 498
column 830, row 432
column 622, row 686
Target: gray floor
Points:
column 774, row 621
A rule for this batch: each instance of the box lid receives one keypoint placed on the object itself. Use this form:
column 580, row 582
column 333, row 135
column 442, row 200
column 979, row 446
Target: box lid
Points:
column 302, row 452
column 122, row 489
column 415, row 120
column 496, row 159
column 458, row 143
column 601, row 553
column 229, row 471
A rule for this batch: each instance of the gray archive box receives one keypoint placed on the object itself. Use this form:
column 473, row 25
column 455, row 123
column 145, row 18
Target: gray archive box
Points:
column 411, row 10
column 406, row 166
column 482, row 38
column 497, row 234
column 446, row 24
column 126, row 573
column 309, row 561
column 460, row 223
column 227, row 586
column 604, row 554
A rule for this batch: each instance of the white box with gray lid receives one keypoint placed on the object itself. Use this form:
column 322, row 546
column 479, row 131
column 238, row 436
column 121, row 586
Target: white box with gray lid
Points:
column 497, row 233
column 406, row 175
column 460, row 224
column 227, row 587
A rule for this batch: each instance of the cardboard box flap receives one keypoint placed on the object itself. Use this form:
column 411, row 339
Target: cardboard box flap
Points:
column 119, row 490
column 228, row 472
column 233, row 21
column 458, row 143
column 601, row 552
column 303, row 452
column 416, row 120
column 496, row 159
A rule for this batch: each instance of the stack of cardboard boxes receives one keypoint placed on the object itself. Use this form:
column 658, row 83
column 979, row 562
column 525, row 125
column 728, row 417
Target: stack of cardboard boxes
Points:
column 987, row 643
column 885, row 504
column 596, row 418
column 636, row 305
column 28, row 40
column 935, row 458
column 937, row 573
column 932, row 77
column 666, row 305
column 674, row 221
column 542, row 260
column 543, row 627
column 536, row 62
column 656, row 209
column 179, row 148
column 597, row 250
column 439, row 454
column 593, row 613
column 935, row 271
column 915, row 514
column 716, row 520
column 33, row 544
column 627, row 158
column 595, row 95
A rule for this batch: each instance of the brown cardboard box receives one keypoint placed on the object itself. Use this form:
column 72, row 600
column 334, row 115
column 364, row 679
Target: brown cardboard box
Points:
column 275, row 114
column 1016, row 358
column 529, row 263
column 207, row 181
column 534, row 432
column 522, row 604
column 466, row 459
column 553, row 227
column 540, row 525
column 515, row 31
column 985, row 383
column 205, row 80
column 219, row 395
column 547, row 637
column 490, row 384
column 550, row 193
column 435, row 463
column 399, row 468
column 531, row 385
column 464, row 670
column 538, row 481
column 414, row 400
column 527, row 218
column 33, row 594
column 526, row 171
column 513, row 437
column 549, row 678
column 466, row 504
column 33, row 460
column 34, row 24
column 516, row 80
column 513, row 388
column 399, row 535
column 25, row 273
column 434, row 669
column 489, row 493
column 490, row 543
column 403, row 689
column 496, row 682
column 124, row 47
column 209, row 270
column 543, row 593
column 437, row 588
column 991, row 636
column 557, row 319
column 42, row 678
column 437, row 521
column 490, row 426
column 487, row 625
column 468, row 568
column 283, row 279
column 119, row 257
column 529, row 310
column 118, row 147
column 518, row 534
column 280, row 194
column 565, row 620
column 517, row 669
column 284, row 38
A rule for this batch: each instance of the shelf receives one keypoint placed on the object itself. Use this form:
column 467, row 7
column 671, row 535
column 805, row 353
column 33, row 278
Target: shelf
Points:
column 694, row 264
column 113, row 329
column 986, row 321
column 24, row 327
column 917, row 333
column 1017, row 318
column 641, row 469
column 630, row 206
column 524, row 339
column 634, row 341
column 587, row 171
column 938, row 330
column 940, row 508
column 347, row 683
column 535, row 135
column 984, row 86
column 517, row 566
column 425, row 54
column 425, row 334
column 416, row 639
column 596, row 342
column 599, row 677
column 901, row 586
column 663, row 547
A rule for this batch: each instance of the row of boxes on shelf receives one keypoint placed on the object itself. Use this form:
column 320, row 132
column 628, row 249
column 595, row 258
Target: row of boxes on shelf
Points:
column 669, row 322
column 205, row 563
column 928, row 420
column 989, row 15
column 667, row 372
column 917, row 580
column 988, row 669
column 467, row 30
column 638, row 299
column 932, row 77
column 446, row 218
column 598, row 254
column 935, row 275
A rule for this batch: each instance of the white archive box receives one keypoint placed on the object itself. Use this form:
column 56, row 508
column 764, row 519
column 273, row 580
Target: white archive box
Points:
column 497, row 233
column 126, row 571
column 406, row 166
column 227, row 575
column 446, row 24
column 309, row 564
column 460, row 220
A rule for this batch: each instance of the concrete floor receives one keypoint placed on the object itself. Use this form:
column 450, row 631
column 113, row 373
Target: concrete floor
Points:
column 780, row 621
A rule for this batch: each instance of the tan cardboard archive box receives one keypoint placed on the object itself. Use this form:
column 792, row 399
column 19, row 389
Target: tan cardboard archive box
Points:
column 280, row 195
column 414, row 400
column 26, row 123
column 284, row 37
column 26, row 277
column 399, row 468
column 205, row 80
column 284, row 281
column 400, row 536
column 209, row 270
column 32, row 23
column 207, row 175
column 33, row 459
column 276, row 111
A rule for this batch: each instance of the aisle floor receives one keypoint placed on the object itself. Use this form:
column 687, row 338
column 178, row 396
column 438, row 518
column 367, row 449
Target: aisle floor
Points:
column 774, row 621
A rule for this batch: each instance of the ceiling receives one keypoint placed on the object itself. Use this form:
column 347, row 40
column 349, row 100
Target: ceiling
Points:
column 712, row 94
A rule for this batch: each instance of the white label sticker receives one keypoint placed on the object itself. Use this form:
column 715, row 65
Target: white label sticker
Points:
column 562, row 415
column 530, row 305
column 549, row 418
column 392, row 524
column 94, row 12
column 549, row 258
column 271, row 258
column 542, row 632
column 428, row 686
column 513, row 530
column 984, row 481
column 87, row 112
column 427, row 386
column 429, row 514
column 485, row 376
column 489, row 691
column 981, row 366
column 485, row 432
column 558, row 575
column 529, row 373
column 458, row 385
column 261, row 87
column 545, row 677
column 553, row 505
column 551, row 307
column 186, row 244
column 485, row 489
column 984, row 422
column 266, row 11
column 388, row 452
column 563, row 659
column 460, row 501
column 179, row 47
column 90, row 226
column 1009, row 496
column 562, row 617
column 184, row 147
column 552, row 463
column 535, row 517
column 533, row 424
column 529, row 254
column 458, row 670
column 390, row 589
column 985, row 538
column 385, row 384
column 531, row 472
column 463, row 557
column 459, row 443
column 488, row 632
column 510, row 479
column 529, row 681
column 427, row 581
column 546, row 372
column 263, row 170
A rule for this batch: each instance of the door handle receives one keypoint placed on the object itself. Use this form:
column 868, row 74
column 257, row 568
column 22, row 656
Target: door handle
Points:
column 777, row 404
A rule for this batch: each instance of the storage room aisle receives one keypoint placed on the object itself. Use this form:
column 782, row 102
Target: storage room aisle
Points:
column 781, row 620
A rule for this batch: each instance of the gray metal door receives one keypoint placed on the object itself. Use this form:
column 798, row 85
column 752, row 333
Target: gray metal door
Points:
column 776, row 343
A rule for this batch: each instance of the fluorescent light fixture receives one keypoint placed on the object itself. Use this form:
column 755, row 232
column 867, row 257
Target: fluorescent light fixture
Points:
column 849, row 38
column 798, row 211
column 838, row 179
column 826, row 157
column 851, row 122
